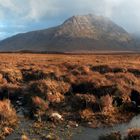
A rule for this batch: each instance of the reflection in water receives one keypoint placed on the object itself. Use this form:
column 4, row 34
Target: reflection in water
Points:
column 93, row 134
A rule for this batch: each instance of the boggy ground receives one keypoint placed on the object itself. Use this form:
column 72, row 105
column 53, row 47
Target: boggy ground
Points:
column 68, row 90
column 131, row 134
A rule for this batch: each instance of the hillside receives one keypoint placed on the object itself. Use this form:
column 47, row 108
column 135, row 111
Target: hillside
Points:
column 76, row 34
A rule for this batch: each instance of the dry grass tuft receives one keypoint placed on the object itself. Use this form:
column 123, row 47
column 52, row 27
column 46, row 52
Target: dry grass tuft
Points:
column 106, row 103
column 133, row 134
column 7, row 113
column 86, row 114
column 72, row 84
column 55, row 98
column 39, row 103
column 12, row 75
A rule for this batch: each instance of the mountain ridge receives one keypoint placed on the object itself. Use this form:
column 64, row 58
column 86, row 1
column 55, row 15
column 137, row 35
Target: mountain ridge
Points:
column 78, row 33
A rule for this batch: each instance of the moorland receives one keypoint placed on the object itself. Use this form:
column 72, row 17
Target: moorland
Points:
column 39, row 92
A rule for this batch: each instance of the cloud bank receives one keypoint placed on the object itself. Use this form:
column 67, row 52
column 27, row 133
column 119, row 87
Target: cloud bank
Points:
column 26, row 15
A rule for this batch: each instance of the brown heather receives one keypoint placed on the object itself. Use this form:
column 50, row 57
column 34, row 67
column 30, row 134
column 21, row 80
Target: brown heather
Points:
column 79, row 88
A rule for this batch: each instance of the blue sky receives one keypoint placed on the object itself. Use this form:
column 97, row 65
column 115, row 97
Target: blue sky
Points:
column 18, row 16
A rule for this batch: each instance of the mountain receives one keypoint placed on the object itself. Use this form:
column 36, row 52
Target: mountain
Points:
column 136, row 38
column 77, row 34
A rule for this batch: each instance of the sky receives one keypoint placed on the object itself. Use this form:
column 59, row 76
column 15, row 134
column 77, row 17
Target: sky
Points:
column 17, row 16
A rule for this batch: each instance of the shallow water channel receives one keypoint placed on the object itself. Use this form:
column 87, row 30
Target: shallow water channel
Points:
column 80, row 133
column 84, row 133
column 93, row 134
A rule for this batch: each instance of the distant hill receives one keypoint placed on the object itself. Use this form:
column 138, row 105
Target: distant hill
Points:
column 85, row 33
column 136, row 38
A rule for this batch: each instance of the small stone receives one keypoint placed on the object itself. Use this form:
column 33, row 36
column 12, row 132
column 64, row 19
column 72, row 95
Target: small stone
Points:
column 24, row 137
column 68, row 126
column 56, row 115
column 51, row 137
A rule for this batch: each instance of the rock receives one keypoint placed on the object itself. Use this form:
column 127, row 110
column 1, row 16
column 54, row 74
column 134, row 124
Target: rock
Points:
column 24, row 137
column 56, row 116
column 89, row 123
column 52, row 137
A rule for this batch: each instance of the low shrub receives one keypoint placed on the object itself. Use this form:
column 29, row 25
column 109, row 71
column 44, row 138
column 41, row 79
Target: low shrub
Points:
column 133, row 134
column 7, row 113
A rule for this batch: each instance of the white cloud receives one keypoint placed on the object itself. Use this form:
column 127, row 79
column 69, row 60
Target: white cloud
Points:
column 32, row 14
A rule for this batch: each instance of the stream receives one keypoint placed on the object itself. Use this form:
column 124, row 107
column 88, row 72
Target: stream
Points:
column 93, row 134
column 84, row 133
column 80, row 133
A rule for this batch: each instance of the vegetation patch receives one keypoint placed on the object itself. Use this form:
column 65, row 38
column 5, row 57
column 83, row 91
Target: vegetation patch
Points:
column 68, row 90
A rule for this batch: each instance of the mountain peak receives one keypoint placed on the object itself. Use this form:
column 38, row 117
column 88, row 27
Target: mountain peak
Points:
column 83, row 18
column 76, row 26
column 78, row 33
column 93, row 27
